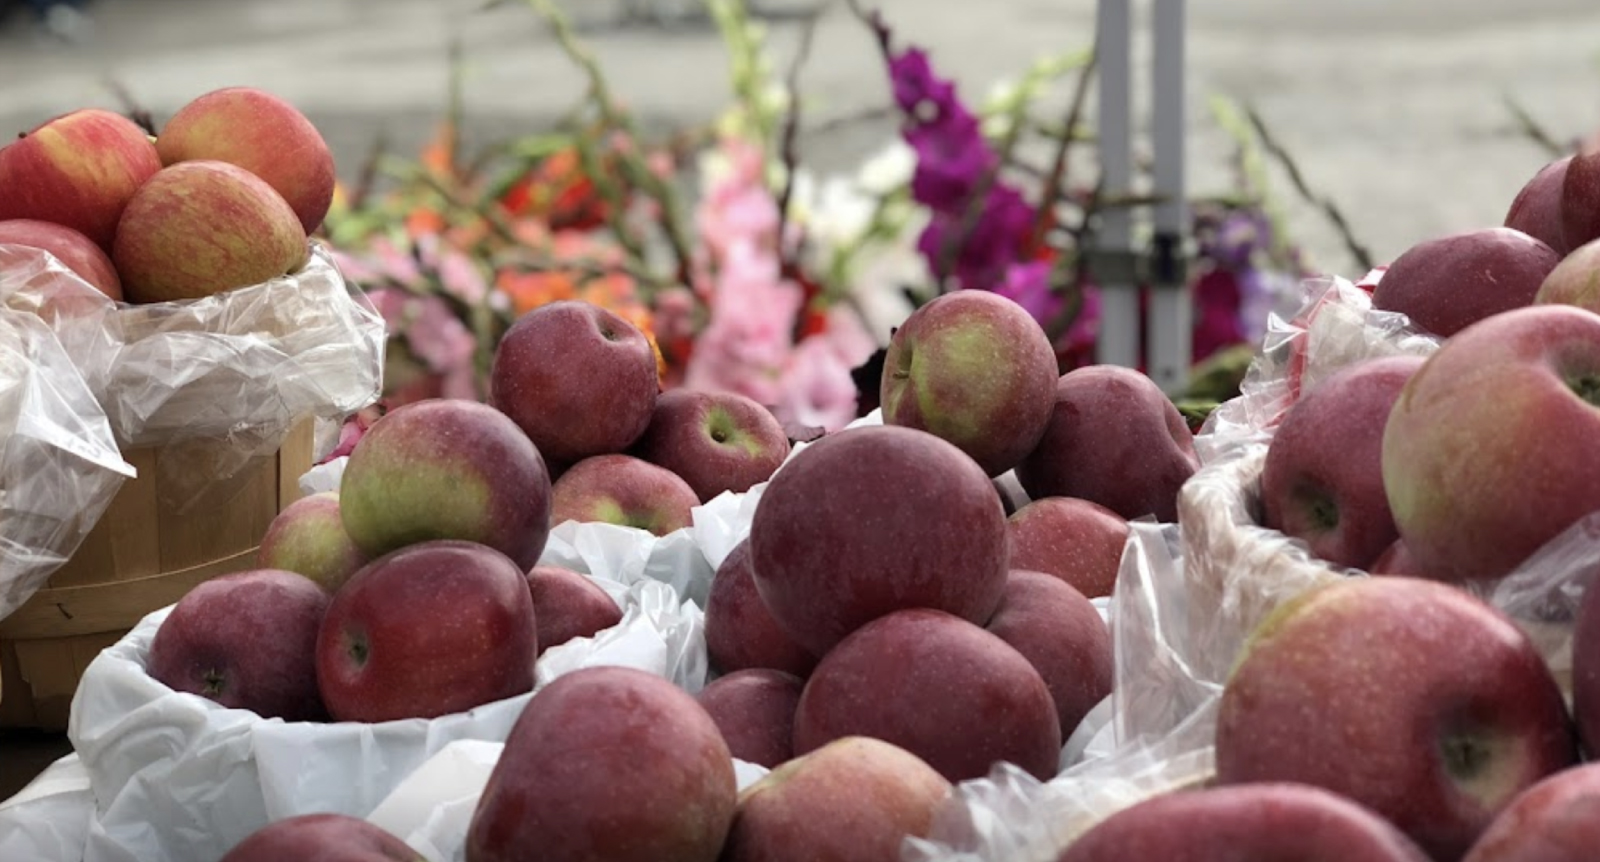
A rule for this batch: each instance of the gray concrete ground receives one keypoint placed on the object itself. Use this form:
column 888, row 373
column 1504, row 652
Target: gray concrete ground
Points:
column 1392, row 107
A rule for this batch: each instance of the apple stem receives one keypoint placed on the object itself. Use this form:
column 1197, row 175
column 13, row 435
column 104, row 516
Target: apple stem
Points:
column 1587, row 387
column 1464, row 757
column 214, row 680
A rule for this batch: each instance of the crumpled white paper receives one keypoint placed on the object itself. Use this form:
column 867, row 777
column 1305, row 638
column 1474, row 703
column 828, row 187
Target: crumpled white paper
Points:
column 180, row 778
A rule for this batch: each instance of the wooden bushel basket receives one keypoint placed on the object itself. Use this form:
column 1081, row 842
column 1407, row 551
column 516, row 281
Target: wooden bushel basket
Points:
column 142, row 556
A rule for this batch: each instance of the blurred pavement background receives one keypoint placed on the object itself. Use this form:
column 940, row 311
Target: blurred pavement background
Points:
column 1392, row 109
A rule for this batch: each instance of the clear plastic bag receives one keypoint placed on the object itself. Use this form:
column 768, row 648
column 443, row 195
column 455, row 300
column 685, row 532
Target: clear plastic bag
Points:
column 182, row 779
column 217, row 381
column 59, row 464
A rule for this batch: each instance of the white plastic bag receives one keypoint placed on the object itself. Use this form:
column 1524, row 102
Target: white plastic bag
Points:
column 181, row 778
column 48, row 821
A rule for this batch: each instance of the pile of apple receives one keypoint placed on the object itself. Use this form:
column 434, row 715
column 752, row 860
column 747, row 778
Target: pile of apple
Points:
column 224, row 197
column 1402, row 716
column 885, row 625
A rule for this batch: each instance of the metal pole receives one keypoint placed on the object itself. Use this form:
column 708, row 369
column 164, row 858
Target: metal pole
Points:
column 1171, row 328
column 1113, row 262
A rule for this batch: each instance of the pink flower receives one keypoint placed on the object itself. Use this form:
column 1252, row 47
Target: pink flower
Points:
column 438, row 337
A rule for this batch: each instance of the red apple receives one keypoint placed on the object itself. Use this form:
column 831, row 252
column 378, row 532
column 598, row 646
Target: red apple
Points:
column 754, row 710
column 938, row 686
column 247, row 641
column 322, row 838
column 1396, row 560
column 78, row 170
column 1580, row 196
column 200, row 228
column 1061, row 634
column 1494, row 446
column 607, row 763
column 1323, row 478
column 447, row 469
column 715, row 441
column 976, row 369
column 1411, row 697
column 569, row 605
column 1114, row 439
column 853, row 800
column 1448, row 283
column 264, row 135
column 1575, row 280
column 72, row 249
column 428, row 630
column 1268, row 821
column 740, row 631
column 1536, row 210
column 871, row 520
column 1586, row 670
column 624, row 490
column 308, row 537
column 578, row 379
column 1556, row 820
column 1075, row 540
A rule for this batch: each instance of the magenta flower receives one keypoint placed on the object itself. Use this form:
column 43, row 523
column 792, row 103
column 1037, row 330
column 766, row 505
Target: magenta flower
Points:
column 1028, row 285
column 982, row 242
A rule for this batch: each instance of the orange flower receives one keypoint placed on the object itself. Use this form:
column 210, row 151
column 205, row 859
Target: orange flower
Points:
column 423, row 221
column 529, row 290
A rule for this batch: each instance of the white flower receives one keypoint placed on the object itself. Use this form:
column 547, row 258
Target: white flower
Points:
column 878, row 284
column 887, row 170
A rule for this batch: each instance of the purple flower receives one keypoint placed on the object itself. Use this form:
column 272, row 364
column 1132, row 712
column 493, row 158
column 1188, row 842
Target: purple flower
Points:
column 1028, row 285
column 920, row 93
column 954, row 163
column 993, row 242
column 950, row 165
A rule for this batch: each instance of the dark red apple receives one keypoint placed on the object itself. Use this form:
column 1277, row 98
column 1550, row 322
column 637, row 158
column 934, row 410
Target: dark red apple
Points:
column 1113, row 439
column 1061, row 634
column 607, row 763
column 938, row 686
column 247, row 641
column 1556, row 820
column 716, row 441
column 431, row 629
column 578, row 379
column 569, row 605
column 754, row 709
column 1247, row 823
column 322, row 838
column 623, row 490
column 1536, row 210
column 1448, row 283
column 740, row 631
column 1323, row 478
column 871, row 520
column 1075, row 540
